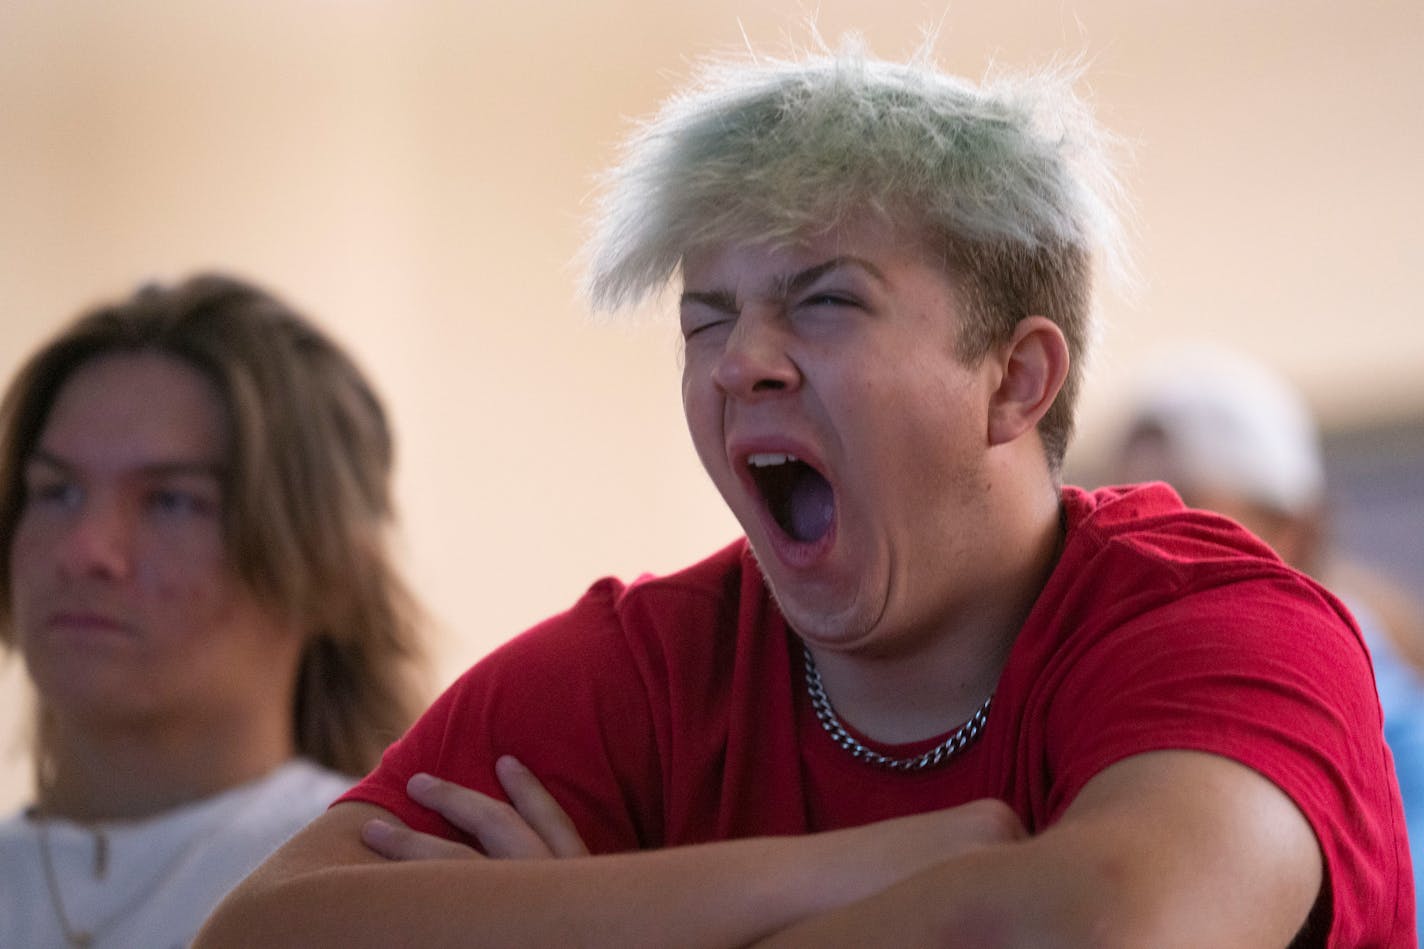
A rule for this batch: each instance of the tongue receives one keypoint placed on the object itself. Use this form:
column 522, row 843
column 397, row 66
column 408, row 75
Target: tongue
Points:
column 810, row 506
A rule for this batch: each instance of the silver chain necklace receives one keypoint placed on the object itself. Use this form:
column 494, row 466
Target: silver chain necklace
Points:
column 938, row 755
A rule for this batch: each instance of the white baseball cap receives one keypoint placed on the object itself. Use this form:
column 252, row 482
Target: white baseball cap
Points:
column 1228, row 424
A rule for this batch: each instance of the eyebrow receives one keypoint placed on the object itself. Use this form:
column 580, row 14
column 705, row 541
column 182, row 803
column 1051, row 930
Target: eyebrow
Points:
column 722, row 300
column 783, row 286
column 158, row 469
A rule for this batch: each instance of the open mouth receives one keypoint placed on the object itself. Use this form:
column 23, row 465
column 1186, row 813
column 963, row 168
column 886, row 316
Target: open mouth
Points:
column 798, row 496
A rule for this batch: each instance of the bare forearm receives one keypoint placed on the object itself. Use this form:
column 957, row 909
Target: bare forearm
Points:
column 717, row 895
column 326, row 888
column 984, row 900
column 1166, row 849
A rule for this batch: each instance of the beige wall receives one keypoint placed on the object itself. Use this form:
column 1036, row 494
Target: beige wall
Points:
column 415, row 174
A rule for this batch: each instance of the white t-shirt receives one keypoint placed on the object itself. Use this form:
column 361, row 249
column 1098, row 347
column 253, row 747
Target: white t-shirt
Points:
column 163, row 875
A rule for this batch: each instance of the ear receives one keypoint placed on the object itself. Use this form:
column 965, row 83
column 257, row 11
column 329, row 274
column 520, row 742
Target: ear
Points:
column 1033, row 363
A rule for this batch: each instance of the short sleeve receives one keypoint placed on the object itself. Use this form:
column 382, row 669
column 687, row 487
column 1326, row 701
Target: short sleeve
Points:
column 1269, row 672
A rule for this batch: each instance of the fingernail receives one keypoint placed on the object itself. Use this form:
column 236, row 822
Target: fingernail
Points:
column 509, row 761
column 376, row 830
column 420, row 783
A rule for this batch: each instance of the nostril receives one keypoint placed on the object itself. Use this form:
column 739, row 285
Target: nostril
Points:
column 768, row 385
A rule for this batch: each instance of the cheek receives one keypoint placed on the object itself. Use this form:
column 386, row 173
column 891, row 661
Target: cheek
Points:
column 29, row 554
column 703, row 412
column 170, row 576
column 199, row 629
column 916, row 440
column 33, row 534
column 189, row 582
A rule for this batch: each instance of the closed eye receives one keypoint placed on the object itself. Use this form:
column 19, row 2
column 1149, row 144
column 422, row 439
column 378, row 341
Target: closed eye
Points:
column 830, row 299
column 703, row 311
column 691, row 329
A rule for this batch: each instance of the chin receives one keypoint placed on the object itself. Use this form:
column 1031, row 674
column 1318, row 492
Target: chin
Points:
column 820, row 626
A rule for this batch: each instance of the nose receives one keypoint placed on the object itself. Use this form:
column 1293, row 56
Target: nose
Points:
column 756, row 361
column 98, row 541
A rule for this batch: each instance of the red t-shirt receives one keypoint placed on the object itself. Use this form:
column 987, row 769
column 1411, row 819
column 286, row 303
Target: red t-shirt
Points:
column 673, row 710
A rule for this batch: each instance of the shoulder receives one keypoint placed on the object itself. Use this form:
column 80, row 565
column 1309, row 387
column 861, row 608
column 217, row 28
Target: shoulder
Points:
column 272, row 808
column 17, row 851
column 651, row 614
column 22, row 897
column 584, row 699
column 1150, row 522
column 302, row 781
column 1141, row 573
column 1173, row 629
column 1165, row 627
column 13, row 825
column 1137, row 551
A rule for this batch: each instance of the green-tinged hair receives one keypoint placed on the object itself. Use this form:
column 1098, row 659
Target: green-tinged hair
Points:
column 1009, row 181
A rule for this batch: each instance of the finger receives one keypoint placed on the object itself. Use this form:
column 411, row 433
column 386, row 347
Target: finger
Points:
column 499, row 828
column 538, row 807
column 397, row 842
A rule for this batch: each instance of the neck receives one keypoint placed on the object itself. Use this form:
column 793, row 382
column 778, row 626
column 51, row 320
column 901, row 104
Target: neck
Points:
column 113, row 772
column 948, row 668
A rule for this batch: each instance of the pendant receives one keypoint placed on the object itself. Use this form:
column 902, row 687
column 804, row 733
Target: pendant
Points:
column 101, row 853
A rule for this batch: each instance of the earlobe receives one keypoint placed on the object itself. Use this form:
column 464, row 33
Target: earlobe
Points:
column 1034, row 364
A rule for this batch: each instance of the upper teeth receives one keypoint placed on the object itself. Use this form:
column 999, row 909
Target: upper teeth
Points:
column 766, row 459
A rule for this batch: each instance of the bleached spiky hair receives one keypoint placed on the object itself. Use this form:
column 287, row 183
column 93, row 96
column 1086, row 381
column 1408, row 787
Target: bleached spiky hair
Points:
column 1007, row 179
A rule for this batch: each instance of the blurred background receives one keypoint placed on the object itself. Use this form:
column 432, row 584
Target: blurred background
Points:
column 415, row 174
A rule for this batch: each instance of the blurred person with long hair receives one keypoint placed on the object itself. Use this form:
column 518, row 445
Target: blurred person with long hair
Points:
column 194, row 508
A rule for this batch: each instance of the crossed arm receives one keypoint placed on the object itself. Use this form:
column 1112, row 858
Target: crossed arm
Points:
column 1162, row 849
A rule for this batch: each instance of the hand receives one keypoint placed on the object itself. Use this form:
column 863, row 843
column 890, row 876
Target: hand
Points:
column 886, row 852
column 981, row 823
column 532, row 826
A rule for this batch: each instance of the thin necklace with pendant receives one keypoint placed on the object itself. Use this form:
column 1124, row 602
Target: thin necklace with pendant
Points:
column 957, row 741
column 76, row 938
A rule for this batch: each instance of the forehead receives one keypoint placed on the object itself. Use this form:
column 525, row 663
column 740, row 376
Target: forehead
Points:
column 759, row 266
column 130, row 410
